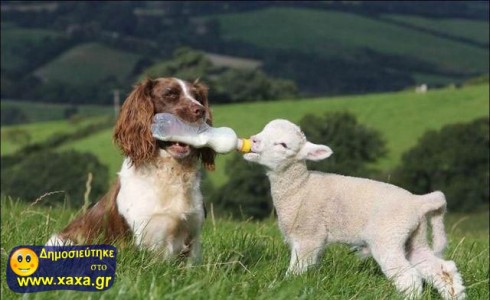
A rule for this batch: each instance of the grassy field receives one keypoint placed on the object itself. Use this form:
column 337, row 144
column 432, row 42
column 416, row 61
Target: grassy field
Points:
column 244, row 260
column 401, row 118
column 471, row 29
column 91, row 62
column 331, row 33
column 41, row 131
column 248, row 259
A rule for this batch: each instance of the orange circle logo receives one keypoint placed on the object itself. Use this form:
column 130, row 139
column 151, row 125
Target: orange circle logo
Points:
column 24, row 262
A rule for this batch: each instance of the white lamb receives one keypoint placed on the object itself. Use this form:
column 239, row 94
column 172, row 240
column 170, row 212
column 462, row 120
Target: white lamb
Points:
column 390, row 223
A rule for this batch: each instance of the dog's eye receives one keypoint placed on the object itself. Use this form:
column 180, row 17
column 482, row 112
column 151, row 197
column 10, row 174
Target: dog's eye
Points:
column 170, row 92
column 197, row 96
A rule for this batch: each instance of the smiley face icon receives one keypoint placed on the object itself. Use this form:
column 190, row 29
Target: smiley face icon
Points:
column 24, row 262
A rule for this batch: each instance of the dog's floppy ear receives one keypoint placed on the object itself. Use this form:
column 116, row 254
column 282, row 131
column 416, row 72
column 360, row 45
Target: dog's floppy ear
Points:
column 207, row 155
column 202, row 96
column 132, row 132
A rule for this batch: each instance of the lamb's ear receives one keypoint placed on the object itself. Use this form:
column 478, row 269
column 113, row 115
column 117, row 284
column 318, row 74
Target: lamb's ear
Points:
column 312, row 151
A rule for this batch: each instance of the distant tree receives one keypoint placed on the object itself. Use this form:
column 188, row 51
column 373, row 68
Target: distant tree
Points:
column 70, row 111
column 142, row 64
column 225, row 84
column 48, row 172
column 247, row 192
column 454, row 160
column 252, row 85
column 13, row 115
column 186, row 63
column 354, row 145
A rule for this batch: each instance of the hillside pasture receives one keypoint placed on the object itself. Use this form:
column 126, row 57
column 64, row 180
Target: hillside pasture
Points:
column 40, row 131
column 89, row 63
column 477, row 31
column 401, row 117
column 339, row 34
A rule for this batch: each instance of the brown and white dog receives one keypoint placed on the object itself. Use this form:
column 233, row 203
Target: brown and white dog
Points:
column 156, row 198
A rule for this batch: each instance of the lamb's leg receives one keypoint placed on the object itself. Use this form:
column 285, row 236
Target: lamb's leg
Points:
column 391, row 258
column 442, row 274
column 303, row 255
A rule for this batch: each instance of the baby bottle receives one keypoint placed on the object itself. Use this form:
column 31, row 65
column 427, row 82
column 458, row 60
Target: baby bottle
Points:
column 168, row 127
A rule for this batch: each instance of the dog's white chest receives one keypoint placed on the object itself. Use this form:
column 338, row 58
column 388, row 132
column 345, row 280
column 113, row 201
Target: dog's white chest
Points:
column 159, row 197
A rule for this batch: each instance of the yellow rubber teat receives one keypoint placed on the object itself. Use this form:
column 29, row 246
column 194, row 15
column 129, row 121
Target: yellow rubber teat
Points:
column 246, row 145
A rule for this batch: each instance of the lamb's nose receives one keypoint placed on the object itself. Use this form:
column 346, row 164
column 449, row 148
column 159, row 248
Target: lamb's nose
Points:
column 255, row 142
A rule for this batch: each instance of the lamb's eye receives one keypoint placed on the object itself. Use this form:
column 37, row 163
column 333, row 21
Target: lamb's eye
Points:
column 283, row 145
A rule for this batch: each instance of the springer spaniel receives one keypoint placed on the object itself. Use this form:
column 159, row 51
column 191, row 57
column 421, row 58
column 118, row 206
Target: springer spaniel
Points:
column 156, row 198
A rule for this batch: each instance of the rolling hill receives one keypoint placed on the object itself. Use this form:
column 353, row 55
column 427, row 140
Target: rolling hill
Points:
column 87, row 64
column 401, row 118
column 472, row 30
column 326, row 48
column 345, row 35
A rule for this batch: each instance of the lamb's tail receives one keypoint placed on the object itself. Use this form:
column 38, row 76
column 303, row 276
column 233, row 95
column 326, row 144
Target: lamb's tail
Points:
column 434, row 207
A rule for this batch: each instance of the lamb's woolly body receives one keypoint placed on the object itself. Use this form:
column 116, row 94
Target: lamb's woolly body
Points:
column 316, row 208
column 348, row 205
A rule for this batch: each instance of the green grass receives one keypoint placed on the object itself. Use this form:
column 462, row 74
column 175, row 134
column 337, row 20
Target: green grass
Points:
column 101, row 145
column 332, row 33
column 471, row 29
column 89, row 63
column 242, row 260
column 402, row 118
column 14, row 39
column 41, row 131
column 48, row 119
